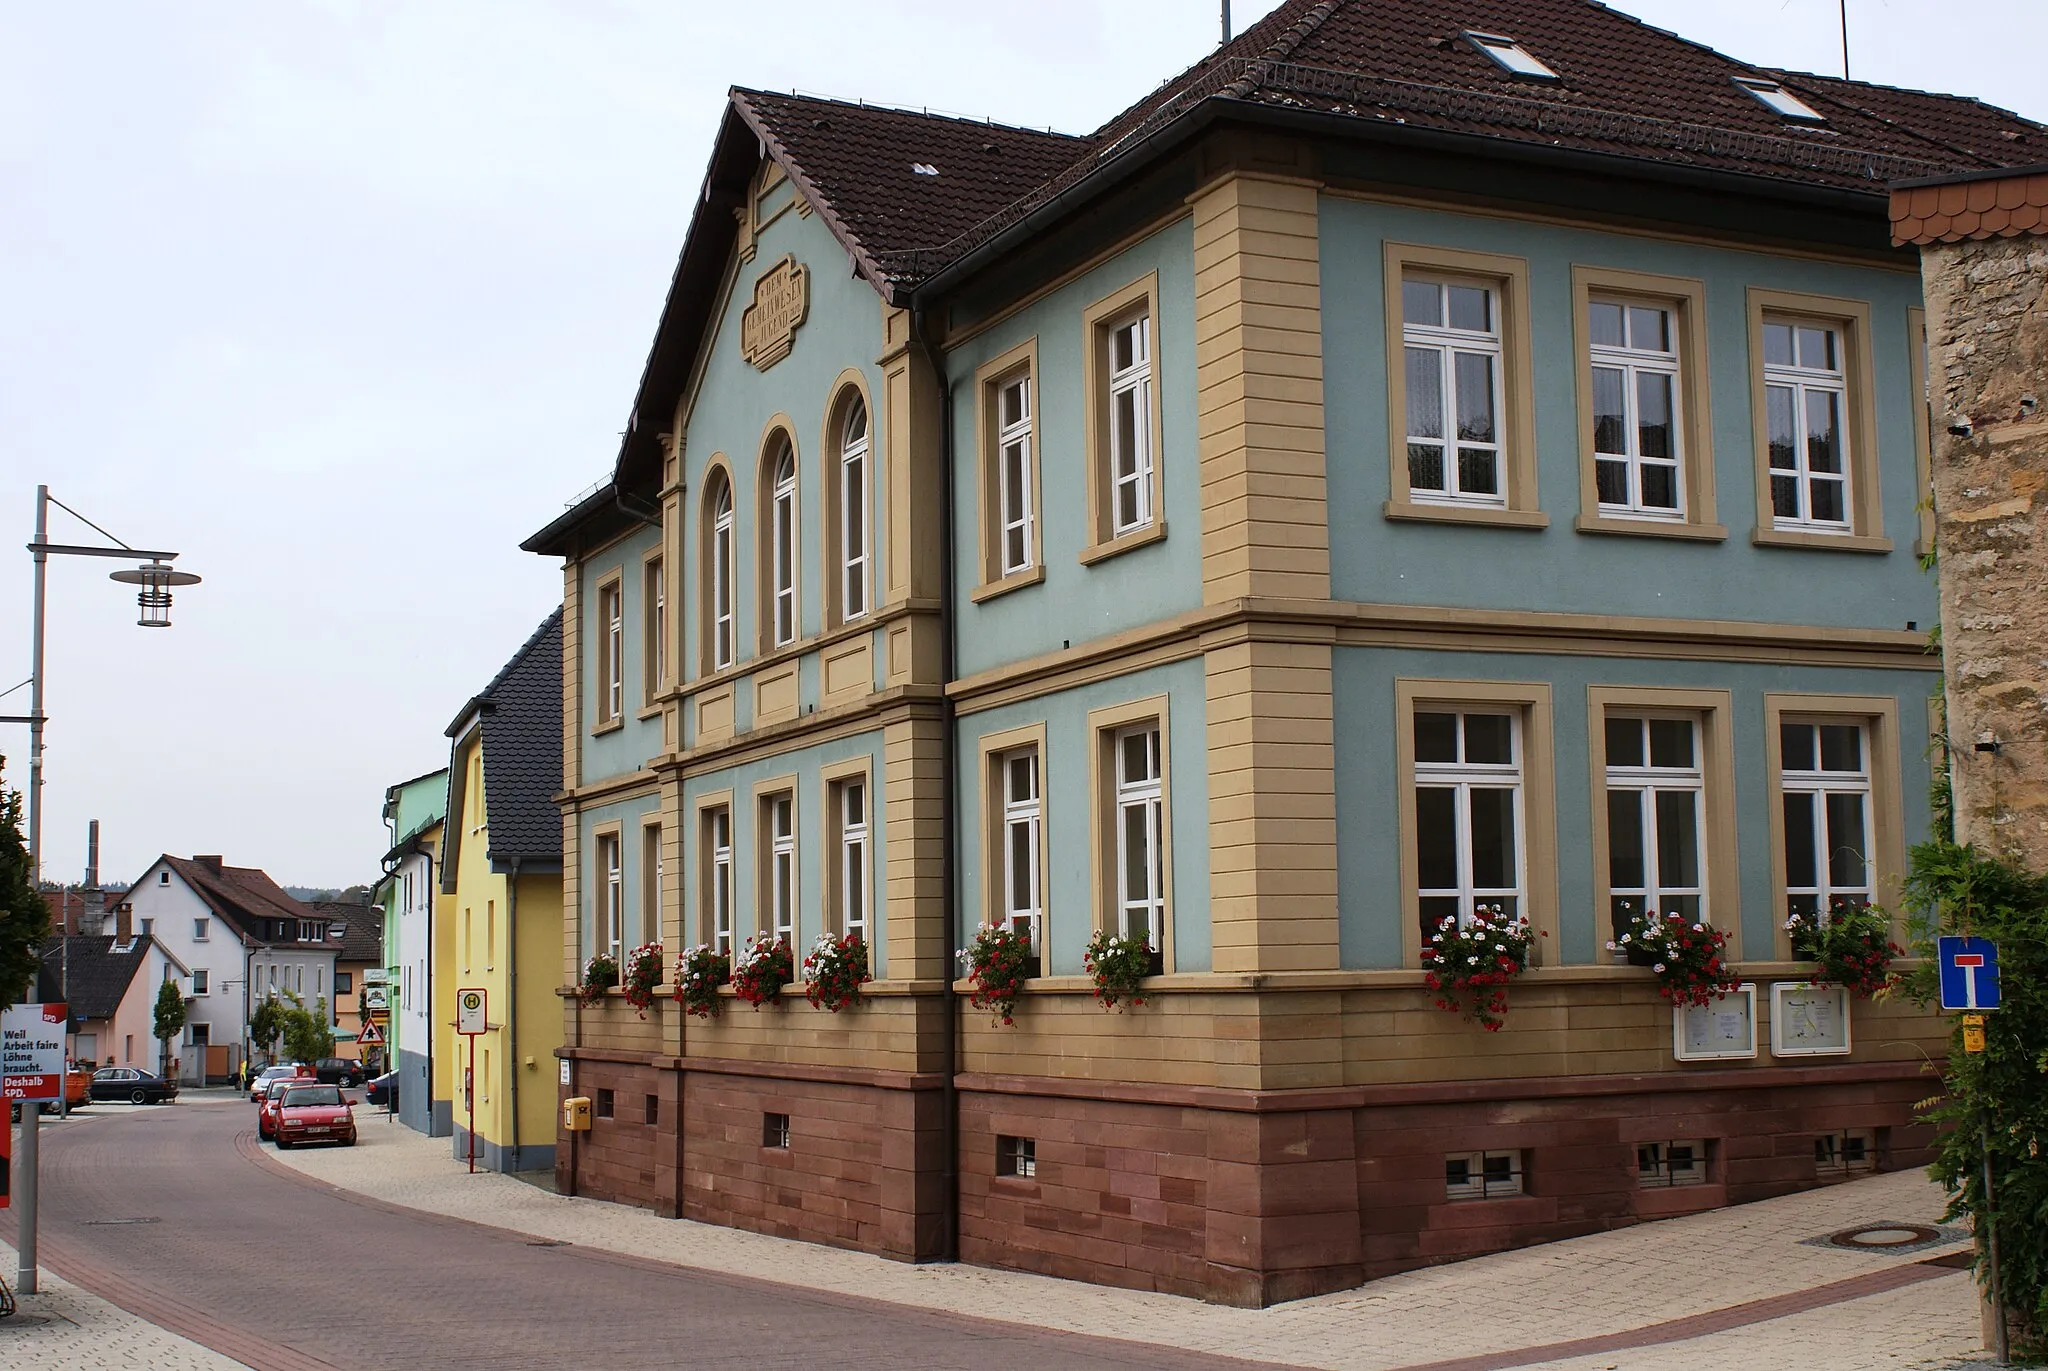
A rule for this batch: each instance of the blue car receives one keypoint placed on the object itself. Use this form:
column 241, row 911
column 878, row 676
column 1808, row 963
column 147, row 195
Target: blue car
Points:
column 384, row 1090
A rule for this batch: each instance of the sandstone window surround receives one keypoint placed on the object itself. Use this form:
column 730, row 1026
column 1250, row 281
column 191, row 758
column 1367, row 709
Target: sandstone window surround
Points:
column 1832, row 762
column 652, row 873
column 1634, row 749
column 715, row 892
column 1813, row 412
column 1014, row 853
column 782, row 525
column 1528, row 819
column 849, row 869
column 1461, row 428
column 1124, row 427
column 611, row 651
column 848, row 521
column 775, row 842
column 653, row 630
column 1661, row 1165
column 1642, row 348
column 1130, row 777
column 720, row 572
column 609, row 884
column 1008, row 480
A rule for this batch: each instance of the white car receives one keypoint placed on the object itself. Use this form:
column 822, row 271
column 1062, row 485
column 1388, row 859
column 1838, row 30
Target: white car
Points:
column 264, row 1077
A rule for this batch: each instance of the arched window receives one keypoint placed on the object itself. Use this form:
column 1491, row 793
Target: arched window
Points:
column 782, row 621
column 853, row 512
column 719, row 575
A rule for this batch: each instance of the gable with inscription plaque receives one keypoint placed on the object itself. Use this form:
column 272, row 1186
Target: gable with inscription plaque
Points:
column 782, row 295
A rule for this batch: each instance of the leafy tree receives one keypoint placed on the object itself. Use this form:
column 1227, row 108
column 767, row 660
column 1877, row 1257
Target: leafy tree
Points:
column 306, row 1034
column 1995, row 1100
column 170, row 1022
column 266, row 1025
column 24, row 917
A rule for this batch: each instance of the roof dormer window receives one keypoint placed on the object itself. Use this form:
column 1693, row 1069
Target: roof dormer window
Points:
column 1777, row 99
column 1511, row 57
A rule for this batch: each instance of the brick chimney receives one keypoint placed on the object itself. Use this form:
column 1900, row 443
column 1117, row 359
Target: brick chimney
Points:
column 124, row 923
column 211, row 861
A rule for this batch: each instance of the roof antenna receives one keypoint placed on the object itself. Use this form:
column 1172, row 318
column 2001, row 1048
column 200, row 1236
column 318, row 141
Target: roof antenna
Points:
column 1845, row 36
column 1226, row 21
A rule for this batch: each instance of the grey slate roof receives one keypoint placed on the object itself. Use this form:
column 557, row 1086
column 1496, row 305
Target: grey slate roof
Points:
column 521, row 716
column 362, row 938
column 100, row 976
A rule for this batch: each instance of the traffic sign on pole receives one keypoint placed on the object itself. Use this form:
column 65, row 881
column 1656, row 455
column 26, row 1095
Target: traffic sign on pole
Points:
column 1969, row 973
column 470, row 1018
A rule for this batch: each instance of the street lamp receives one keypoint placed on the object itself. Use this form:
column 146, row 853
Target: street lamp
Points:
column 156, row 577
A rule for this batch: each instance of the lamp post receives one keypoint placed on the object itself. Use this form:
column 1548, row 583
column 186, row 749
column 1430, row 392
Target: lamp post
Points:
column 157, row 578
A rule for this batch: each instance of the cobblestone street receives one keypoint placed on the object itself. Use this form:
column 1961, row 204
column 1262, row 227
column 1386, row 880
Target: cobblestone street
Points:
column 213, row 1250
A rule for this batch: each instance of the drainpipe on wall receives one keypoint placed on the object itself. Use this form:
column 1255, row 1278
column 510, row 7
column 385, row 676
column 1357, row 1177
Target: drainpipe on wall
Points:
column 947, row 797
column 512, row 999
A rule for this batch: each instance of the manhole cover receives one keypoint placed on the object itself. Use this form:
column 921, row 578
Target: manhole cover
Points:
column 110, row 1223
column 1888, row 1236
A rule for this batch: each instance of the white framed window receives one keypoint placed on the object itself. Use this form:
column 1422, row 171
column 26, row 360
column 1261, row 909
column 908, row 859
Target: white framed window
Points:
column 1482, row 1175
column 852, row 798
column 1017, row 480
column 1660, row 1165
column 1140, row 836
column 147, row 926
column 650, row 882
column 1023, row 906
column 853, row 513
column 1824, row 782
column 611, row 892
column 1469, row 841
column 718, row 892
column 1636, row 420
column 1511, row 57
column 1656, row 812
column 1806, row 400
column 779, row 813
column 200, row 928
column 1451, row 336
column 199, row 980
column 612, row 605
column 782, row 551
column 1130, row 424
column 654, row 652
column 721, row 576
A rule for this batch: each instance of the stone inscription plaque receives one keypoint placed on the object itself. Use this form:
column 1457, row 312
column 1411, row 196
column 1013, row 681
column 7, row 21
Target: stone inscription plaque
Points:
column 782, row 295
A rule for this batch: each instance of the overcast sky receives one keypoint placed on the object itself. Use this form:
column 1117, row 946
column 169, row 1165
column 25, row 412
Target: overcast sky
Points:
column 343, row 300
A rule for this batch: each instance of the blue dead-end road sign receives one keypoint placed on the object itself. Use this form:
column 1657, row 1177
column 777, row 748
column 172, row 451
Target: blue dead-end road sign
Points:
column 1969, row 973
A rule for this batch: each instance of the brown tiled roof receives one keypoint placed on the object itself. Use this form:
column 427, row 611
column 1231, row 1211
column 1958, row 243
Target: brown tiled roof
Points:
column 1973, row 207
column 244, row 896
column 1627, row 89
column 362, row 938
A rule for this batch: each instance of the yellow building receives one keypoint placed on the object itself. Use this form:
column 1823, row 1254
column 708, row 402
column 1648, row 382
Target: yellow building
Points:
column 498, row 923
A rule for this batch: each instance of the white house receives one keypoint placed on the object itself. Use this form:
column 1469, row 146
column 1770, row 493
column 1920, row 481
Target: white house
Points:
column 242, row 937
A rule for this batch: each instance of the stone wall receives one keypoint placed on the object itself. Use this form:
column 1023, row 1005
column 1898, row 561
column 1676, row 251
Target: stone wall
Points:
column 1987, row 306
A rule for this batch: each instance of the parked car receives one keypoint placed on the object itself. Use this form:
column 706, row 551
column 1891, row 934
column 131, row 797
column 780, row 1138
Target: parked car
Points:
column 133, row 1085
column 314, row 1113
column 384, row 1090
column 266, row 1113
column 339, row 1071
column 258, row 1086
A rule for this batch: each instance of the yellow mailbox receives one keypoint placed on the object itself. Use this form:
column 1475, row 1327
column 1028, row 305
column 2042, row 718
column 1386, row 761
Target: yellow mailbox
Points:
column 576, row 1114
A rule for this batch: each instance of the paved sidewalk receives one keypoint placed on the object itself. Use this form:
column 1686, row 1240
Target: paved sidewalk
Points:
column 1735, row 1287
column 63, row 1328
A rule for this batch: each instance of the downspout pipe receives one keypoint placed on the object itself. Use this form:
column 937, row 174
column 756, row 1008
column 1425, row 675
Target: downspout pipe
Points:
column 948, row 797
column 512, row 997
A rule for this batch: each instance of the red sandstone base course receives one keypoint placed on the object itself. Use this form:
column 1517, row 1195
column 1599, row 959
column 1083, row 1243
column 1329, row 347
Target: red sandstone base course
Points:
column 1238, row 1197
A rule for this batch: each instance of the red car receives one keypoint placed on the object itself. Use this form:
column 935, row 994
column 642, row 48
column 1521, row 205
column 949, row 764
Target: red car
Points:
column 314, row 1113
column 266, row 1110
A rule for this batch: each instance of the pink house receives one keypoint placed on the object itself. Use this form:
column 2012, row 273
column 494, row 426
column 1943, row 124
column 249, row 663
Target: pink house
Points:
column 110, row 983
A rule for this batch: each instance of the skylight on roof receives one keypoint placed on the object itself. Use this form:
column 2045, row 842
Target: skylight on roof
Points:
column 1775, row 97
column 924, row 168
column 1511, row 57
